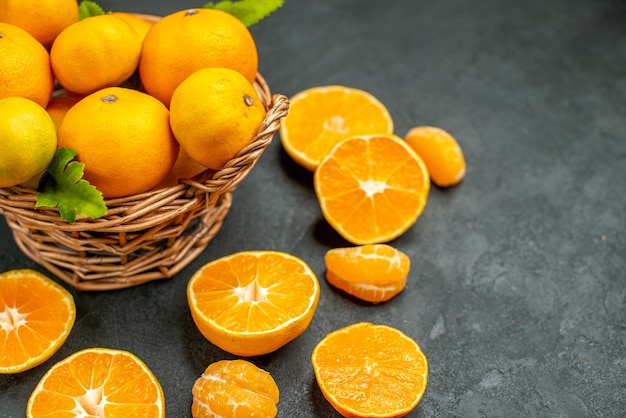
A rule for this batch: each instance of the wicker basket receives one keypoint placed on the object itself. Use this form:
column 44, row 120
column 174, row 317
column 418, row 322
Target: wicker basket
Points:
column 143, row 237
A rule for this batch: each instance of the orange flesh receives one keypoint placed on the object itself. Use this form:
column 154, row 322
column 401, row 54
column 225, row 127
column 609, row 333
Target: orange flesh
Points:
column 371, row 189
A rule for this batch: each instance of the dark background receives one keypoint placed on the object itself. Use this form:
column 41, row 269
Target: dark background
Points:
column 517, row 288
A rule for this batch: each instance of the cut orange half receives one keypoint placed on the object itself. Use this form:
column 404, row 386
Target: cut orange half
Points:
column 320, row 117
column 98, row 382
column 373, row 272
column 236, row 389
column 36, row 317
column 372, row 189
column 253, row 302
column 370, row 370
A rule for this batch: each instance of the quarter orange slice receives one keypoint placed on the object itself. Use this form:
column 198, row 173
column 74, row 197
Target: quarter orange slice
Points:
column 98, row 382
column 253, row 302
column 320, row 117
column 36, row 317
column 372, row 189
column 236, row 389
column 441, row 154
column 370, row 370
column 373, row 272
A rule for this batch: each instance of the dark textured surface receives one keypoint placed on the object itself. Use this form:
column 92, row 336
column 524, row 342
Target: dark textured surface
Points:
column 517, row 292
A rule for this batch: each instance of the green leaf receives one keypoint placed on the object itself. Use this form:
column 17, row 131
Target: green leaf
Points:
column 88, row 8
column 62, row 185
column 249, row 12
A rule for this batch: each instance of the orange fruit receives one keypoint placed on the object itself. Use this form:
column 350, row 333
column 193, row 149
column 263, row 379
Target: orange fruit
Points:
column 124, row 139
column 320, row 117
column 43, row 19
column 25, row 66
column 235, row 110
column 28, row 140
column 373, row 272
column 441, row 154
column 371, row 189
column 58, row 107
column 140, row 25
column 370, row 370
column 98, row 382
column 188, row 40
column 94, row 53
column 184, row 168
column 253, row 302
column 36, row 316
column 234, row 388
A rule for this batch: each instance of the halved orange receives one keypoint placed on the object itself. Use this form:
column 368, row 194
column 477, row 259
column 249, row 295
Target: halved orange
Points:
column 320, row 117
column 441, row 154
column 36, row 317
column 236, row 389
column 98, row 382
column 373, row 272
column 253, row 302
column 370, row 370
column 372, row 189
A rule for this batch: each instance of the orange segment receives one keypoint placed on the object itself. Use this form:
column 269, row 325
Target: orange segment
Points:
column 370, row 370
column 441, row 154
column 374, row 272
column 36, row 316
column 320, row 117
column 253, row 302
column 234, row 388
column 371, row 189
column 98, row 382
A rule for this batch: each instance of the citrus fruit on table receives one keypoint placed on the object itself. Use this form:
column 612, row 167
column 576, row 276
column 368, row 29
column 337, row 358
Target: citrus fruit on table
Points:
column 371, row 189
column 373, row 272
column 124, row 139
column 36, row 316
column 441, row 154
column 253, row 302
column 25, row 66
column 98, row 382
column 28, row 140
column 370, row 370
column 43, row 19
column 214, row 114
column 235, row 389
column 188, row 40
column 320, row 117
column 94, row 53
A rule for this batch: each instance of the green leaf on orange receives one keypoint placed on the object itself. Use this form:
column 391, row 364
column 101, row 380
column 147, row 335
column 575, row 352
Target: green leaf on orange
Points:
column 63, row 186
column 249, row 12
column 88, row 8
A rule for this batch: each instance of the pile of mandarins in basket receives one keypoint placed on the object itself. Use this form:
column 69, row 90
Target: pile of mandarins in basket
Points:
column 132, row 94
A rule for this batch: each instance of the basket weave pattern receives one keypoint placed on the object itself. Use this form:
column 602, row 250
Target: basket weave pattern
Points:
column 143, row 237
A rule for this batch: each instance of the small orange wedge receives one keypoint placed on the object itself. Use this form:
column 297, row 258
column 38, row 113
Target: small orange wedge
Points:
column 320, row 117
column 98, row 382
column 441, row 154
column 370, row 370
column 371, row 189
column 373, row 272
column 236, row 389
column 36, row 317
column 253, row 302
